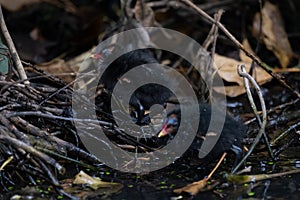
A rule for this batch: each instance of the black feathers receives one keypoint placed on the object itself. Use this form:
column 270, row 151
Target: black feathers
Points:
column 231, row 135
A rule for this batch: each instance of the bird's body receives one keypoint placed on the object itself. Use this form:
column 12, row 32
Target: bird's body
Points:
column 147, row 95
column 142, row 98
column 231, row 136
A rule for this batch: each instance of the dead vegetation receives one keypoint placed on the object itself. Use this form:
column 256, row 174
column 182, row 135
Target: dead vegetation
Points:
column 38, row 139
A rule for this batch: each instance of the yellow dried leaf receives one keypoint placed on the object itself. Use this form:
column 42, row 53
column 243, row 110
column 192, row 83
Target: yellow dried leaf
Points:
column 228, row 70
column 94, row 183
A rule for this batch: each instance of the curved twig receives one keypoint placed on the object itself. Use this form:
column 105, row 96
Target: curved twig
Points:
column 242, row 72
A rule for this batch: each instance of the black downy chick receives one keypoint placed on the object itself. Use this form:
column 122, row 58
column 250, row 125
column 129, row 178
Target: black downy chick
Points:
column 230, row 139
column 144, row 97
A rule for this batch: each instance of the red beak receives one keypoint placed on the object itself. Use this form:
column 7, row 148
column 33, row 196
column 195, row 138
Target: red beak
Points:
column 169, row 127
column 164, row 131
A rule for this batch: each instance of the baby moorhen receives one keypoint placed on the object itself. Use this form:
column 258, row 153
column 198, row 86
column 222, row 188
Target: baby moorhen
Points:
column 144, row 97
column 230, row 139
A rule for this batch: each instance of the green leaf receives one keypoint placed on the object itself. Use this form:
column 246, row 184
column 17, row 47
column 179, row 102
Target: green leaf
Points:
column 3, row 59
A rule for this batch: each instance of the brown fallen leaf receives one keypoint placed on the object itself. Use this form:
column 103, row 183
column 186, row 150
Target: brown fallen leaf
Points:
column 66, row 70
column 243, row 56
column 227, row 69
column 231, row 91
column 14, row 5
column 202, row 185
column 59, row 68
column 273, row 32
column 228, row 72
column 287, row 70
column 193, row 188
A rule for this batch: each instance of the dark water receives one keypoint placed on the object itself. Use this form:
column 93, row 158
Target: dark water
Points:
column 159, row 185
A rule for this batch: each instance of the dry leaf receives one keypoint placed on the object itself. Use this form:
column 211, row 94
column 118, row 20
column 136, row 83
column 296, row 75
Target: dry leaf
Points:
column 193, row 188
column 228, row 70
column 244, row 58
column 14, row 5
column 273, row 32
column 231, row 91
column 96, row 187
column 67, row 71
column 287, row 70
column 94, row 183
column 59, row 68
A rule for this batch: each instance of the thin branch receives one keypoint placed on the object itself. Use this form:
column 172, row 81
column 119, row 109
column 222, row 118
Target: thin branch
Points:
column 50, row 116
column 19, row 144
column 217, row 166
column 240, row 46
column 12, row 48
column 241, row 71
column 282, row 135
column 210, row 73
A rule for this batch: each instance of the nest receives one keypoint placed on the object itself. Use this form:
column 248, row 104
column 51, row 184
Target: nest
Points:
column 36, row 129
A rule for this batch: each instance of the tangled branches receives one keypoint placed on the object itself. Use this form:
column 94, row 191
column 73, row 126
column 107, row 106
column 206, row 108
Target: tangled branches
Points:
column 35, row 135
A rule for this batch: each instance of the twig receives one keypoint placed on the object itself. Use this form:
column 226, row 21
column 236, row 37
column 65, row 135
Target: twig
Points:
column 216, row 167
column 19, row 144
column 12, row 48
column 20, row 135
column 213, row 31
column 241, row 71
column 284, row 146
column 51, row 77
column 50, row 116
column 198, row 186
column 48, row 171
column 210, row 73
column 15, row 103
column 9, row 159
column 253, row 106
column 274, row 109
column 240, row 46
column 67, row 158
column 43, row 134
column 282, row 135
column 240, row 179
column 66, row 86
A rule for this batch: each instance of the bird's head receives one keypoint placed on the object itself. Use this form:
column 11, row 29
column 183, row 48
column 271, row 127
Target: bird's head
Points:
column 170, row 126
